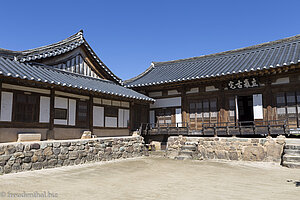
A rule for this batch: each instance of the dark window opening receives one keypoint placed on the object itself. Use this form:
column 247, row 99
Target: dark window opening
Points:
column 60, row 113
column 111, row 111
column 82, row 118
column 26, row 108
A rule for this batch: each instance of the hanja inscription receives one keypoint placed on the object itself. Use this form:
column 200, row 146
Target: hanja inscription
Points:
column 246, row 83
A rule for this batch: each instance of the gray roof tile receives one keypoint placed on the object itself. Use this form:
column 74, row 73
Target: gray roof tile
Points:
column 46, row 74
column 263, row 56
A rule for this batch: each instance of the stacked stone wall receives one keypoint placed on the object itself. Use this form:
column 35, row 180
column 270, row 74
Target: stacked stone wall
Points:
column 17, row 157
column 245, row 149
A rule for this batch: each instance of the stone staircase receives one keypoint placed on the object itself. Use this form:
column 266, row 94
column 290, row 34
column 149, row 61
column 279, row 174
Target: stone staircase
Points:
column 188, row 151
column 291, row 154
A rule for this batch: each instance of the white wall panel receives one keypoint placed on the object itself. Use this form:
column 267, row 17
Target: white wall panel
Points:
column 61, row 121
column 44, row 109
column 72, row 112
column 167, row 102
column 61, row 102
column 98, row 116
column 6, row 106
column 126, row 117
column 178, row 117
column 121, row 118
column 111, row 122
column 257, row 106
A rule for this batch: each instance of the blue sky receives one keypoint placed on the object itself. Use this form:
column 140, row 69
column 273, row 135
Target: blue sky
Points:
column 129, row 35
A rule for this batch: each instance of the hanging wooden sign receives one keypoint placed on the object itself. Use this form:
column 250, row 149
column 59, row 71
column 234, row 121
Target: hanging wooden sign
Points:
column 245, row 83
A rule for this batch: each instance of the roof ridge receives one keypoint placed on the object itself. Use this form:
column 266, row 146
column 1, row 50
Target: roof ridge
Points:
column 78, row 35
column 252, row 47
column 140, row 75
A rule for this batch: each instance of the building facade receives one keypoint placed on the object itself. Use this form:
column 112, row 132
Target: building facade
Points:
column 61, row 90
column 257, row 85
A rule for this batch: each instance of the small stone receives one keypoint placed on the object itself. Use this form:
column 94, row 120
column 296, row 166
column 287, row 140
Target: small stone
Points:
column 56, row 144
column 29, row 153
column 10, row 149
column 35, row 146
column 43, row 145
column 16, row 167
column 37, row 165
column 65, row 144
column 20, row 147
column 19, row 155
column 48, row 151
column 64, row 150
column 52, row 162
column 26, row 166
column 7, row 169
column 27, row 159
column 73, row 155
column 56, row 151
column 34, row 158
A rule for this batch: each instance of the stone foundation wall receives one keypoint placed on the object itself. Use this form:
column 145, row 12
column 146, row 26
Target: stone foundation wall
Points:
column 17, row 157
column 245, row 149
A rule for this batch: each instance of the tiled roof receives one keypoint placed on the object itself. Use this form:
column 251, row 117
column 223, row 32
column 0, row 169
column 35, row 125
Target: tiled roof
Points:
column 274, row 54
column 46, row 74
column 58, row 48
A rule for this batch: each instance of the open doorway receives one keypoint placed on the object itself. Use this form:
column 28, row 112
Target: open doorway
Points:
column 245, row 109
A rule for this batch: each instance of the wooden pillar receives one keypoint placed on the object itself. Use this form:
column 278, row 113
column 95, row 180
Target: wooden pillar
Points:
column 222, row 105
column 131, row 117
column 50, row 132
column 91, row 104
column 184, row 106
column 268, row 106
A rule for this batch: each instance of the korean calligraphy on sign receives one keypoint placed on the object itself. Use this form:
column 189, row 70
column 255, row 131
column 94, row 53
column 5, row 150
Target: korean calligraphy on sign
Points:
column 246, row 83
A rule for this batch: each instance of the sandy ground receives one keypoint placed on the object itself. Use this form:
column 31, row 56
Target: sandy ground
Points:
column 156, row 178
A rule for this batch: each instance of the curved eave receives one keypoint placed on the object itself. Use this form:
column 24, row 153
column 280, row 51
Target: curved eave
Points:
column 61, row 84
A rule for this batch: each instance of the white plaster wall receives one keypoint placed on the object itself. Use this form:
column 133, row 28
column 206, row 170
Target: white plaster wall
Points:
column 178, row 117
column 126, row 117
column 121, row 118
column 257, row 106
column 6, row 106
column 72, row 112
column 111, row 122
column 60, row 102
column 44, row 109
column 98, row 116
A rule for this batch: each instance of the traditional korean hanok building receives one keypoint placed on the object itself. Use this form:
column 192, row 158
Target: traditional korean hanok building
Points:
column 61, row 90
column 254, row 90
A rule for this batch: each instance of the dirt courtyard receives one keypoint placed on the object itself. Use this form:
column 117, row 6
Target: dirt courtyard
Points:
column 155, row 178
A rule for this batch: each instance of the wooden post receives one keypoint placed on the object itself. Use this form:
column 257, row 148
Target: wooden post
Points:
column 91, row 104
column 50, row 132
column 184, row 105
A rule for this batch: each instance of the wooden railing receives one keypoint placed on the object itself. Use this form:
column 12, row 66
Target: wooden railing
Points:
column 245, row 128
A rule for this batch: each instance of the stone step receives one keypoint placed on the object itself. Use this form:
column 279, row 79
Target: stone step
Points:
column 291, row 158
column 291, row 152
column 183, row 157
column 292, row 146
column 189, row 147
column 292, row 141
column 186, row 152
column 291, row 164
